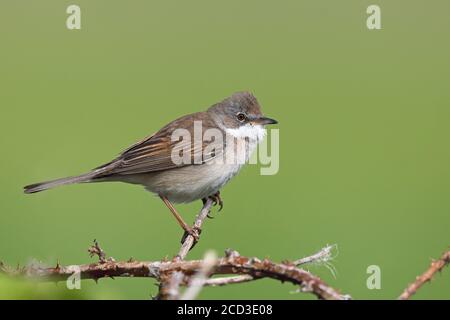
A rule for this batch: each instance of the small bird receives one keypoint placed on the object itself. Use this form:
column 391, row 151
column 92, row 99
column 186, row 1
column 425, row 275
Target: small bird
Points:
column 153, row 163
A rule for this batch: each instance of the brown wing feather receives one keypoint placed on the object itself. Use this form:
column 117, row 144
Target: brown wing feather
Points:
column 154, row 153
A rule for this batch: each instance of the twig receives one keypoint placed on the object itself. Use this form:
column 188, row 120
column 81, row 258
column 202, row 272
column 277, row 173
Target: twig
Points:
column 189, row 241
column 436, row 265
column 231, row 264
column 222, row 281
column 96, row 250
column 324, row 255
column 198, row 281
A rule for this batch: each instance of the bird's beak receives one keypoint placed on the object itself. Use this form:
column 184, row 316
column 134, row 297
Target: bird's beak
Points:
column 264, row 120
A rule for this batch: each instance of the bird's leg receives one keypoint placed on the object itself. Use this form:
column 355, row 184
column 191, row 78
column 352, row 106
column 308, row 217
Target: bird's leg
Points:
column 188, row 230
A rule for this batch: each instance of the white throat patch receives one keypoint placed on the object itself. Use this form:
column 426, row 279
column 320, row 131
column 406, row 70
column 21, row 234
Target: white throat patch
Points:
column 255, row 133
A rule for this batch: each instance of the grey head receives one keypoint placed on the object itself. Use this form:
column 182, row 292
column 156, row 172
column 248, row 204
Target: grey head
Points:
column 240, row 109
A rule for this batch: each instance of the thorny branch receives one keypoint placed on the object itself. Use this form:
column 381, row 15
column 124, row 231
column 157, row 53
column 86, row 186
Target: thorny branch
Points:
column 436, row 266
column 231, row 264
column 195, row 274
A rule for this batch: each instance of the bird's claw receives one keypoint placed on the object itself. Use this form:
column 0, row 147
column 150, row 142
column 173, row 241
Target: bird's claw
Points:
column 217, row 200
column 194, row 232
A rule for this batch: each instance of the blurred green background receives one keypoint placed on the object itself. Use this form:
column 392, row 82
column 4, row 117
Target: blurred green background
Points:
column 364, row 134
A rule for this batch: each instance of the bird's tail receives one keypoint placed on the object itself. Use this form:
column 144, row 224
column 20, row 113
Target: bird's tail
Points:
column 41, row 186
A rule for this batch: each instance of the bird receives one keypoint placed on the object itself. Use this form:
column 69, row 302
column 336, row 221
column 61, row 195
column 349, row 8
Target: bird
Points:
column 180, row 169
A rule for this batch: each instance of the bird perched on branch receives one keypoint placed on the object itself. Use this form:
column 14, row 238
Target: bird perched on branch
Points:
column 190, row 158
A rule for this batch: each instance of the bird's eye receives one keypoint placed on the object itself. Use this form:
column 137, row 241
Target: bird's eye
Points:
column 241, row 117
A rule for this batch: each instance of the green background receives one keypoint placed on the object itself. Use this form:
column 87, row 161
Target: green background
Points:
column 363, row 118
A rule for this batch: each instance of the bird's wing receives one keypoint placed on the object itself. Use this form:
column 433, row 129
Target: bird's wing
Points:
column 154, row 153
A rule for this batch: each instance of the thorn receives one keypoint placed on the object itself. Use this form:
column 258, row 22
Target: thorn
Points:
column 230, row 253
column 255, row 260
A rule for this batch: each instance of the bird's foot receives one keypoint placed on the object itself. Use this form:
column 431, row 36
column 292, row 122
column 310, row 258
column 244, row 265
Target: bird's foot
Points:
column 194, row 232
column 217, row 201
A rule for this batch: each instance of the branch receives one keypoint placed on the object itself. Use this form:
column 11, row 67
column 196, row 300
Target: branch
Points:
column 195, row 273
column 231, row 264
column 436, row 265
column 189, row 241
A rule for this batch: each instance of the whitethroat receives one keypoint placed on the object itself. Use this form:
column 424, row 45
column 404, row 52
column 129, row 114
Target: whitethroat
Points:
column 230, row 131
